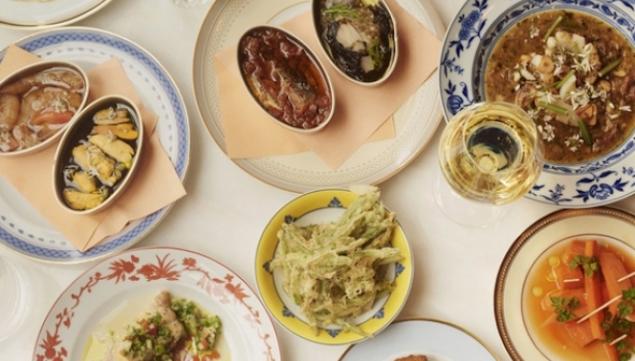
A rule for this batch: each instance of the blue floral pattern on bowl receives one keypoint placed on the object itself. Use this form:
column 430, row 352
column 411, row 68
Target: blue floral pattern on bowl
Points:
column 469, row 42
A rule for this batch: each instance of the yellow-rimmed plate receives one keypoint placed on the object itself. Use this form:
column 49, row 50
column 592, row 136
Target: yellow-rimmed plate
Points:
column 320, row 207
column 607, row 225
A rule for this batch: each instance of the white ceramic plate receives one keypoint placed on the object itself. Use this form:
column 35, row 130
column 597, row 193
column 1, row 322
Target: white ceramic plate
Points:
column 606, row 225
column 21, row 227
column 40, row 13
column 467, row 46
column 437, row 340
column 144, row 273
column 416, row 121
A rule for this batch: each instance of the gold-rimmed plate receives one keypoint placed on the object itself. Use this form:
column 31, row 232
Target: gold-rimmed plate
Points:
column 44, row 14
column 375, row 162
column 315, row 208
column 518, row 330
column 438, row 340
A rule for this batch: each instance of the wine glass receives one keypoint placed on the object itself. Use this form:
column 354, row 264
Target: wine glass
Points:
column 490, row 155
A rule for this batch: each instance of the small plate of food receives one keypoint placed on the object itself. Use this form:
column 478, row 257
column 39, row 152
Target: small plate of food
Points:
column 40, row 14
column 22, row 229
column 415, row 121
column 420, row 340
column 566, row 288
column 334, row 266
column 157, row 304
column 571, row 67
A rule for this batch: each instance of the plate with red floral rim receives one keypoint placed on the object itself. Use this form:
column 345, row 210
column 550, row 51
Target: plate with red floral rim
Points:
column 246, row 329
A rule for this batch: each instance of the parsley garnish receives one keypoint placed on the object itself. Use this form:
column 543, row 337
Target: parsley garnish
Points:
column 374, row 50
column 342, row 10
column 617, row 326
column 564, row 307
column 626, row 306
column 589, row 264
column 624, row 349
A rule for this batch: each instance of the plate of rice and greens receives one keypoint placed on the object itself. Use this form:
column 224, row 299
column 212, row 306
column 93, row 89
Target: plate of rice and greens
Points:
column 334, row 266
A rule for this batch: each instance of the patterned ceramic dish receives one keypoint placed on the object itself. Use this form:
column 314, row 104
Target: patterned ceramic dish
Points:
column 373, row 163
column 604, row 224
column 21, row 228
column 110, row 285
column 314, row 208
column 434, row 339
column 34, row 14
column 468, row 44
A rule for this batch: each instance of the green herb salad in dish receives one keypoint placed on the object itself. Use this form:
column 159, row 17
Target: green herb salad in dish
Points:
column 171, row 329
column 336, row 271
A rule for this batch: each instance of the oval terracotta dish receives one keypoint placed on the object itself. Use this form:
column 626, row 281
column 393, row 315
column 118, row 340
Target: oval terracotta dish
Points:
column 37, row 102
column 315, row 208
column 359, row 38
column 98, row 156
column 541, row 298
column 286, row 79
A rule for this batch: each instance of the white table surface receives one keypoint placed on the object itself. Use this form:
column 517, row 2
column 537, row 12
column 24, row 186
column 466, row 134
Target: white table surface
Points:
column 226, row 209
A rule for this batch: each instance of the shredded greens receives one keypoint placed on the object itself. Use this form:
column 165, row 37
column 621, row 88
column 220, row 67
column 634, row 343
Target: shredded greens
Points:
column 345, row 11
column 336, row 271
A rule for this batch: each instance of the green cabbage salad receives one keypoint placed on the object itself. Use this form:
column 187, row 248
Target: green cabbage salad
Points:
column 336, row 271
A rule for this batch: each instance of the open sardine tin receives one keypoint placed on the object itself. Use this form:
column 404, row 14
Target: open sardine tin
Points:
column 359, row 37
column 37, row 102
column 98, row 155
column 324, row 100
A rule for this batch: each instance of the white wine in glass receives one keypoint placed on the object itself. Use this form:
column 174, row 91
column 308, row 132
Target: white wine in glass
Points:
column 491, row 152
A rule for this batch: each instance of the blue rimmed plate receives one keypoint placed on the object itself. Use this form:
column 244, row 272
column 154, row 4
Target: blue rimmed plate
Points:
column 21, row 228
column 468, row 43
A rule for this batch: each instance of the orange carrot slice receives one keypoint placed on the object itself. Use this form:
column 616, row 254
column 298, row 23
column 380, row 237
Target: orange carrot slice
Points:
column 594, row 293
column 613, row 269
column 580, row 333
column 575, row 248
column 568, row 278
column 611, row 352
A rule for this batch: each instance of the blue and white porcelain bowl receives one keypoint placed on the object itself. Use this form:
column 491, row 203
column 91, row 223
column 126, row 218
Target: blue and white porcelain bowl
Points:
column 469, row 42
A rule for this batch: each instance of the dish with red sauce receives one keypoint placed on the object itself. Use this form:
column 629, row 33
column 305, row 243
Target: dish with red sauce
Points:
column 285, row 78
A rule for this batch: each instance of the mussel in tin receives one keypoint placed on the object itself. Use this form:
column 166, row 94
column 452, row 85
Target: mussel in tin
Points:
column 98, row 155
column 359, row 37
